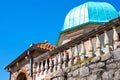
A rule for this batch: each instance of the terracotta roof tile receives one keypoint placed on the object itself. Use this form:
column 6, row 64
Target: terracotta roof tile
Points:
column 46, row 46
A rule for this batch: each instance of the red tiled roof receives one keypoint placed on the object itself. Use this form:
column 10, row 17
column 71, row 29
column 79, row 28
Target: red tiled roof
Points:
column 46, row 46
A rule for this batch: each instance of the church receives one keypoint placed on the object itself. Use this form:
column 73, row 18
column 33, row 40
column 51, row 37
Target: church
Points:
column 88, row 48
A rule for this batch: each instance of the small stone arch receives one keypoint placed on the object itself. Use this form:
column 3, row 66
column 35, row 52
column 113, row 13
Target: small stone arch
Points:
column 21, row 76
column 20, row 72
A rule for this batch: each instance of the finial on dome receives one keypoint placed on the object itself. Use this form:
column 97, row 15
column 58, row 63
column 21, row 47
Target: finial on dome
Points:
column 46, row 41
column 31, row 44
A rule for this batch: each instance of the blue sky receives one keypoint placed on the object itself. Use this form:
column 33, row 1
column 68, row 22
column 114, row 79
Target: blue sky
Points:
column 23, row 22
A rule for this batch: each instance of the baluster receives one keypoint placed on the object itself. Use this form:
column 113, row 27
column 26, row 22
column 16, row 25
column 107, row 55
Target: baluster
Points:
column 46, row 67
column 34, row 70
column 115, row 38
column 98, row 46
column 64, row 60
column 55, row 64
column 90, row 48
column 76, row 55
column 38, row 68
column 59, row 62
column 82, row 51
column 107, row 43
column 70, row 56
column 41, row 68
column 50, row 65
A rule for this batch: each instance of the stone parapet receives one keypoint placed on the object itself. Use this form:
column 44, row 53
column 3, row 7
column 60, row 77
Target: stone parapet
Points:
column 107, row 69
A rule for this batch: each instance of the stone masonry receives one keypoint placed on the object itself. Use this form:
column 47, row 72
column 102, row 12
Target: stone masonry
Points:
column 106, row 67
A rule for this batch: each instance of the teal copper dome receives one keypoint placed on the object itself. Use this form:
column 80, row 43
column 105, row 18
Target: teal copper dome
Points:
column 90, row 12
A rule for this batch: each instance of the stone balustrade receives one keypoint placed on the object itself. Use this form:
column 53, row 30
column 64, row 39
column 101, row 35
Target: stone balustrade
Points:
column 98, row 42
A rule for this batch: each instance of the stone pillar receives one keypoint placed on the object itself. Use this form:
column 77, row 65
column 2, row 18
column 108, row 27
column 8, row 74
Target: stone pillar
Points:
column 50, row 65
column 55, row 64
column 70, row 57
column 46, row 67
column 90, row 48
column 34, row 70
column 38, row 68
column 115, row 38
column 98, row 46
column 83, row 51
column 59, row 61
column 107, row 43
column 76, row 54
column 64, row 60
column 41, row 68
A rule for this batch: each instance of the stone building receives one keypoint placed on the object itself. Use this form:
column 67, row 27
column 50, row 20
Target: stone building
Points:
column 88, row 48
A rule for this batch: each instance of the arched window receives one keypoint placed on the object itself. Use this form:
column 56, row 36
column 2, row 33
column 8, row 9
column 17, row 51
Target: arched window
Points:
column 21, row 76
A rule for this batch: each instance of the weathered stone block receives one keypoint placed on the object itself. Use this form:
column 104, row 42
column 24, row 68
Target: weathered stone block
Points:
column 93, row 66
column 111, row 66
column 100, row 64
column 70, row 78
column 117, row 75
column 83, row 79
column 84, row 71
column 99, row 79
column 106, row 56
column 105, row 76
column 95, row 59
column 92, row 77
column 116, row 54
column 111, row 74
column 118, row 65
column 109, row 61
column 98, row 71
column 108, row 75
column 76, row 73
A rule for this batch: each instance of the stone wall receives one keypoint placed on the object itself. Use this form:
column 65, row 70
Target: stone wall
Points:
column 24, row 69
column 106, row 67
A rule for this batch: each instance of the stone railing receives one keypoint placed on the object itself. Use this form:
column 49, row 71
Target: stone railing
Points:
column 98, row 42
